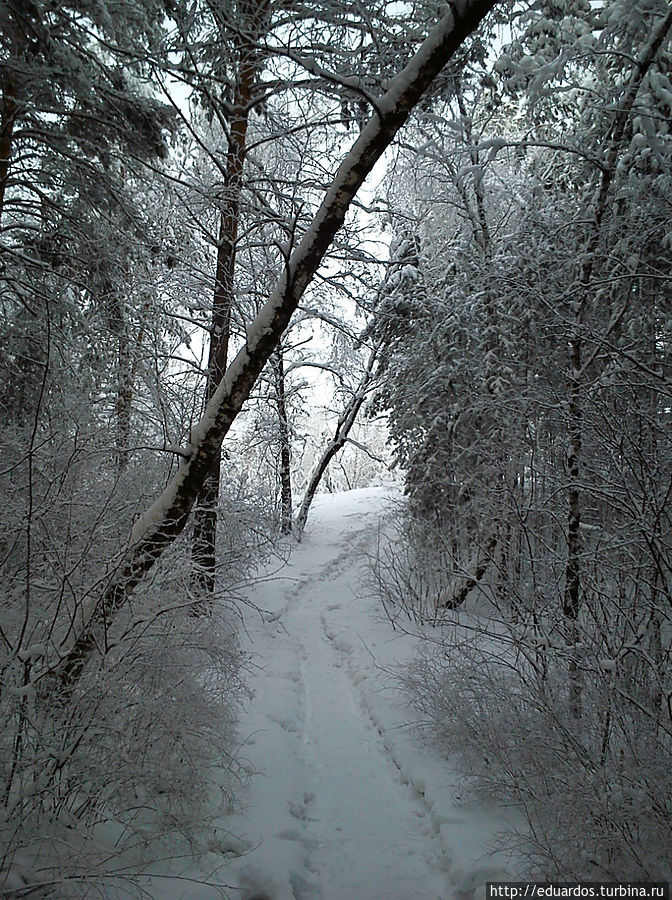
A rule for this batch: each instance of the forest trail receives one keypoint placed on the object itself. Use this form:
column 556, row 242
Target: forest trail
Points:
column 345, row 803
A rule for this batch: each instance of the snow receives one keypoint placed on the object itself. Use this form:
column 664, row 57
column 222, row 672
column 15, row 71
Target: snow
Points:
column 411, row 73
column 302, row 264
column 346, row 801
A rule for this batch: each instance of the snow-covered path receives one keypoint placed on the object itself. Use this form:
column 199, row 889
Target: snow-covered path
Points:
column 345, row 805
column 362, row 822
column 344, row 801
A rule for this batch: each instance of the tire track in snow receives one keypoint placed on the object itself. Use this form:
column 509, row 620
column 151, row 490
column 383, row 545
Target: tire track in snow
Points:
column 366, row 820
column 340, row 812
column 414, row 785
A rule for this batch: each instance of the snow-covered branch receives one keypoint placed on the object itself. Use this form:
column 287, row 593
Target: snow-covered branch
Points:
column 165, row 519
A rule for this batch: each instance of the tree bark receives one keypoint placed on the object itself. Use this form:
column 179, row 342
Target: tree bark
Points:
column 7, row 121
column 165, row 519
column 285, row 443
column 204, row 547
column 124, row 404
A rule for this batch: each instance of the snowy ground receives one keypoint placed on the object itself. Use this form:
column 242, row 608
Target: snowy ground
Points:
column 344, row 800
column 347, row 803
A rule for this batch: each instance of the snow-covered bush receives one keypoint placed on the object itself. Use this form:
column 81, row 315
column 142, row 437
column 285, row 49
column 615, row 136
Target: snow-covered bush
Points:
column 139, row 754
column 596, row 796
column 413, row 571
column 529, row 407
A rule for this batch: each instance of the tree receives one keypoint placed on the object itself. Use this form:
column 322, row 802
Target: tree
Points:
column 238, row 34
column 577, row 363
column 557, row 431
column 346, row 420
column 71, row 119
column 164, row 520
column 238, row 60
column 77, row 127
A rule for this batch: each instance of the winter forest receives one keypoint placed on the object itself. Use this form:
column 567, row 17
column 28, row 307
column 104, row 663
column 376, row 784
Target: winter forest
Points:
column 335, row 400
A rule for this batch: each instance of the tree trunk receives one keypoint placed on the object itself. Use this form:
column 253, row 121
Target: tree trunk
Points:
column 483, row 559
column 7, row 120
column 204, row 547
column 482, row 232
column 165, row 519
column 285, row 445
column 577, row 366
column 128, row 360
column 572, row 595
column 345, row 422
column 124, row 401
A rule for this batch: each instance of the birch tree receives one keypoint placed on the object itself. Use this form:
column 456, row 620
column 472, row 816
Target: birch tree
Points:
column 346, row 420
column 156, row 528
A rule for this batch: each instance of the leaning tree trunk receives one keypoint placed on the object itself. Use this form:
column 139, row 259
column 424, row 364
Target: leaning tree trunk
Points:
column 345, row 422
column 157, row 528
